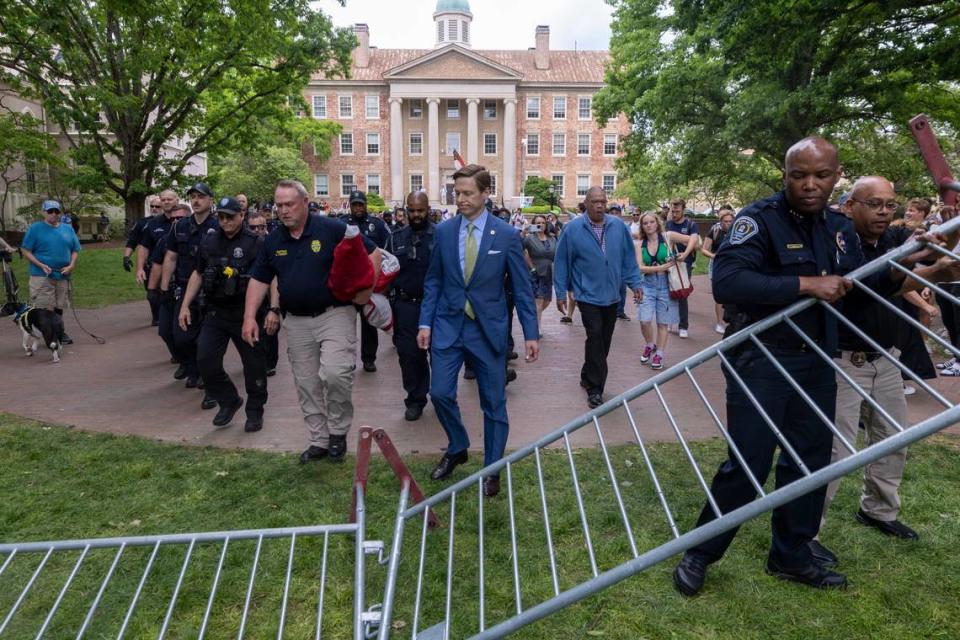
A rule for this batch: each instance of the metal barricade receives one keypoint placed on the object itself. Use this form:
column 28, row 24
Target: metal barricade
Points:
column 251, row 583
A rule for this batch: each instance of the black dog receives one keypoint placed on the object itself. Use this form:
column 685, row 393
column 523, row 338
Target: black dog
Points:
column 36, row 324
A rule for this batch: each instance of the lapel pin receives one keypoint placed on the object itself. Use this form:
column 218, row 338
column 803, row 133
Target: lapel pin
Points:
column 493, row 232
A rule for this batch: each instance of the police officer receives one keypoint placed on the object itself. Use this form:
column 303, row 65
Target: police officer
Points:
column 271, row 322
column 375, row 230
column 412, row 246
column 780, row 249
column 133, row 240
column 222, row 272
column 180, row 261
column 155, row 229
column 165, row 304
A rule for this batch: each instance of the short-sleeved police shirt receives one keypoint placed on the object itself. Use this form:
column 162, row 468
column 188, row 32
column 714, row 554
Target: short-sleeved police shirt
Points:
column 153, row 230
column 184, row 239
column 302, row 265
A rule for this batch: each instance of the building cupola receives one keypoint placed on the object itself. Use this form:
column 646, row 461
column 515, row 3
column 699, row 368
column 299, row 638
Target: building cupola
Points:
column 452, row 20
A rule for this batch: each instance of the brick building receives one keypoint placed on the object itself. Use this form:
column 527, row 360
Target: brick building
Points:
column 520, row 113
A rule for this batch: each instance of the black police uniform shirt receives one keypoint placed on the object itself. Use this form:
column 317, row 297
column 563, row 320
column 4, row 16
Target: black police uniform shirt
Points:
column 302, row 265
column 371, row 227
column 184, row 238
column 412, row 249
column 769, row 247
column 239, row 253
column 156, row 229
column 136, row 232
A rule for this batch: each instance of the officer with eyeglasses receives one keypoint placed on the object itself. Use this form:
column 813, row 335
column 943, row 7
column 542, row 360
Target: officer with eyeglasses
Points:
column 412, row 245
column 270, row 341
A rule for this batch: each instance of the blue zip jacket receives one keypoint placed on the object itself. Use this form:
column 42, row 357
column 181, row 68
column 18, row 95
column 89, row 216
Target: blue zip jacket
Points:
column 594, row 276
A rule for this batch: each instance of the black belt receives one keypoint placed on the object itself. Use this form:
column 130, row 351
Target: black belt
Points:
column 406, row 297
column 310, row 314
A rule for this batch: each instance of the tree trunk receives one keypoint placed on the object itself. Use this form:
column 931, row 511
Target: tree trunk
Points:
column 133, row 208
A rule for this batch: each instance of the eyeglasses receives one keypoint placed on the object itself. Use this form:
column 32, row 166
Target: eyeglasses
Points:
column 154, row 206
column 257, row 227
column 876, row 205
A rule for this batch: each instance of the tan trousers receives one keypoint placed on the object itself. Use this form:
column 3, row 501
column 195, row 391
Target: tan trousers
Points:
column 47, row 293
column 881, row 479
column 323, row 356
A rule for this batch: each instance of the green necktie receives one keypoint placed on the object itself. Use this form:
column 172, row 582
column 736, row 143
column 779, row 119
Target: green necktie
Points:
column 469, row 260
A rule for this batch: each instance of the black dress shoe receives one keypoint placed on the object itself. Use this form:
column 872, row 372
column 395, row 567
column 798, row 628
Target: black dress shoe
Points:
column 313, row 453
column 338, row 448
column 447, row 464
column 253, row 423
column 370, row 367
column 207, row 403
column 469, row 374
column 893, row 528
column 511, row 376
column 65, row 339
column 623, row 316
column 594, row 400
column 821, row 555
column 566, row 320
column 413, row 413
column 491, row 486
column 226, row 413
column 513, row 355
column 180, row 373
column 192, row 382
column 813, row 575
column 689, row 575
column 271, row 373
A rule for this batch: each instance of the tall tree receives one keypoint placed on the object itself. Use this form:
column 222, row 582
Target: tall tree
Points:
column 125, row 78
column 720, row 88
column 24, row 146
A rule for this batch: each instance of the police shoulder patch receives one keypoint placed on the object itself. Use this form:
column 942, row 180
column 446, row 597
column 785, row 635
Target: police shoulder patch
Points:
column 743, row 229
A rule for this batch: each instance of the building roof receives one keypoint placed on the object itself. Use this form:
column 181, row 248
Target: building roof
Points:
column 461, row 6
column 577, row 67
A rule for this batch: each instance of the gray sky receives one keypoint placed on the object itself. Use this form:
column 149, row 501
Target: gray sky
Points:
column 497, row 24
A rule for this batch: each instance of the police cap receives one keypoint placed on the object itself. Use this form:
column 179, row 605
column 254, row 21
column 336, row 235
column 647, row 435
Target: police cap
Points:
column 229, row 206
column 358, row 196
column 200, row 188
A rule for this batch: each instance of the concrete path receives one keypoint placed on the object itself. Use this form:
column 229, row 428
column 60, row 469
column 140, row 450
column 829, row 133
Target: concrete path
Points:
column 127, row 386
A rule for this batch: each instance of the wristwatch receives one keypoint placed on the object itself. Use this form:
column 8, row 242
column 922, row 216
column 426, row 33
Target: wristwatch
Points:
column 275, row 310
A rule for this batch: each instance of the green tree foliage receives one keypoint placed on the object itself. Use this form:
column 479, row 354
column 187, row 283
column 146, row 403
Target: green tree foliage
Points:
column 129, row 77
column 717, row 91
column 375, row 203
column 24, row 145
column 256, row 174
column 539, row 188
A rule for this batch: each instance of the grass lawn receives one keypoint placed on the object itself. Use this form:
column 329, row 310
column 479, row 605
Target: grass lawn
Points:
column 98, row 281
column 63, row 484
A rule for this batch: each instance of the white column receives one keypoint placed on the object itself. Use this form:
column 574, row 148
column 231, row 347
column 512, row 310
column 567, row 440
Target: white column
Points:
column 473, row 134
column 396, row 149
column 509, row 149
column 433, row 149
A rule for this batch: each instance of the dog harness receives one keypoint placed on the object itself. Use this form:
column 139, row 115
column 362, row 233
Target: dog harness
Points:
column 20, row 317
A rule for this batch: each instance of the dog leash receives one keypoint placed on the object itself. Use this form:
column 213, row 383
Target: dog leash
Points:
column 76, row 318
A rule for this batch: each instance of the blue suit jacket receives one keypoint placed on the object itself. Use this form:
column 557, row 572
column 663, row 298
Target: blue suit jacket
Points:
column 445, row 293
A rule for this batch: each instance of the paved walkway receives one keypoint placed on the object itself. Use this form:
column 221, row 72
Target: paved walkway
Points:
column 126, row 386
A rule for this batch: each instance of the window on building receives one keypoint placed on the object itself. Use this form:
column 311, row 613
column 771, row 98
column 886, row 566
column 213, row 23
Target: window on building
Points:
column 346, row 144
column 489, row 109
column 372, row 104
column 321, row 185
column 557, row 180
column 453, row 109
column 373, row 183
column 493, row 184
column 319, row 106
column 583, row 184
column 416, row 109
column 440, row 31
column 609, row 184
column 559, row 107
column 452, row 30
column 346, row 106
column 489, row 144
column 533, row 107
column 465, row 31
column 585, row 108
column 609, row 144
column 347, row 184
column 416, row 182
column 416, row 144
column 373, row 144
column 453, row 142
column 583, row 144
column 533, row 144
column 559, row 144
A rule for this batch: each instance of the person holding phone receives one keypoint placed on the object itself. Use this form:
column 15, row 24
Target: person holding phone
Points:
column 540, row 248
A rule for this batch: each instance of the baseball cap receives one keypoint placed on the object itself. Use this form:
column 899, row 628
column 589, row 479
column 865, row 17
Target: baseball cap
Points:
column 229, row 205
column 358, row 196
column 49, row 205
column 202, row 188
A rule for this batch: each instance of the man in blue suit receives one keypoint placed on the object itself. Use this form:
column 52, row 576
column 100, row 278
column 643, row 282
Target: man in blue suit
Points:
column 464, row 317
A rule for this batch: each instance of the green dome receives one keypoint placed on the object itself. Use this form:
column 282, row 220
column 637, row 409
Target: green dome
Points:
column 459, row 6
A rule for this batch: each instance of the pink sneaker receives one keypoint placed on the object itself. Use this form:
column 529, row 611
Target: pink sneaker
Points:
column 657, row 362
column 647, row 352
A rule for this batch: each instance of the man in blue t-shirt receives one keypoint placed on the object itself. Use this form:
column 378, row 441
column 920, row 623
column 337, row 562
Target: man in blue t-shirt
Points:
column 51, row 247
column 680, row 223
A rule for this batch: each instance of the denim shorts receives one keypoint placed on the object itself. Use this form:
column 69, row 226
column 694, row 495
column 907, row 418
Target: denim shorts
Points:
column 657, row 305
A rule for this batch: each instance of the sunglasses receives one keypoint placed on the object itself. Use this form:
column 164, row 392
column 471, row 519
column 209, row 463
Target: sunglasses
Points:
column 257, row 227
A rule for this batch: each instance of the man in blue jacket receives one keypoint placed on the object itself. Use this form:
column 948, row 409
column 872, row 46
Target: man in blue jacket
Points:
column 464, row 316
column 595, row 256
